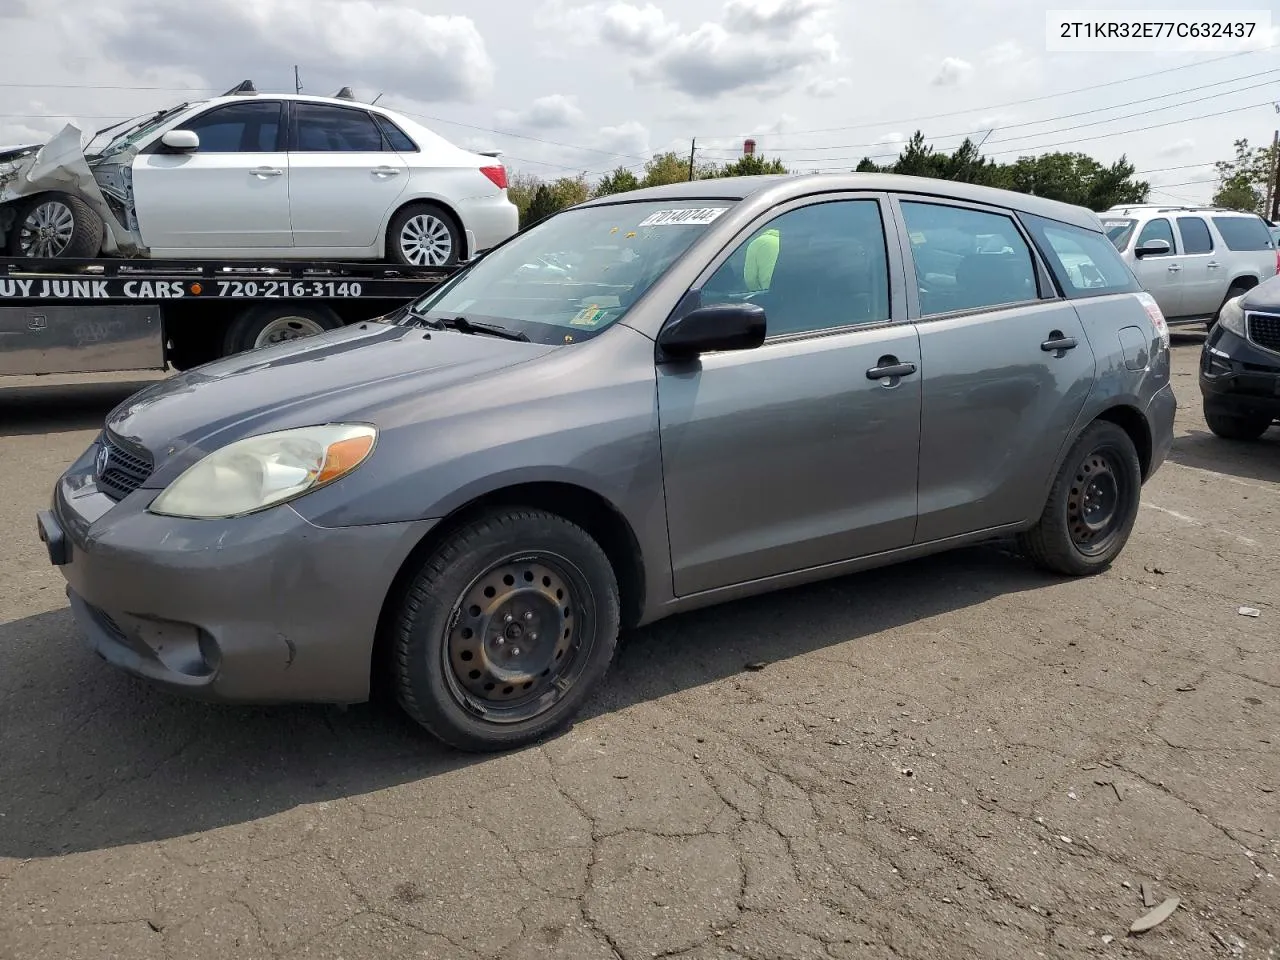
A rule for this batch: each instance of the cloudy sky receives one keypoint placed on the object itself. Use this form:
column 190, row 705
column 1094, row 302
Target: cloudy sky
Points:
column 563, row 86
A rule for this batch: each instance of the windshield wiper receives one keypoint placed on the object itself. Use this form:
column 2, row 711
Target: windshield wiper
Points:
column 463, row 325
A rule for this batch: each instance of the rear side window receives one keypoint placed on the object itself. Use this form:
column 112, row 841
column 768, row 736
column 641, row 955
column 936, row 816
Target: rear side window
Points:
column 1195, row 235
column 967, row 259
column 1084, row 263
column 1243, row 233
column 397, row 138
column 325, row 129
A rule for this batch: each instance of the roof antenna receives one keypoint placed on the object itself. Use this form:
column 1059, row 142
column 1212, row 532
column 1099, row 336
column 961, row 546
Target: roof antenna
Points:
column 344, row 94
column 243, row 87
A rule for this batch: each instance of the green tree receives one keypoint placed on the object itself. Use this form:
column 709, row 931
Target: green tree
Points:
column 867, row 165
column 543, row 204
column 570, row 191
column 619, row 181
column 520, row 190
column 750, row 165
column 664, row 168
column 1243, row 182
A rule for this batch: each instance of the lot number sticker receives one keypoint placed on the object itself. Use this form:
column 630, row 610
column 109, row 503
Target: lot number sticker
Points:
column 697, row 216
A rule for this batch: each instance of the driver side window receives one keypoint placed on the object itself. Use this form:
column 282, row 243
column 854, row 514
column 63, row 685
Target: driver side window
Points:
column 819, row 267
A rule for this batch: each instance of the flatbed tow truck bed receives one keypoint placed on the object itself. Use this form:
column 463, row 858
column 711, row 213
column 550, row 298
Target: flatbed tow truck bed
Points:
column 94, row 316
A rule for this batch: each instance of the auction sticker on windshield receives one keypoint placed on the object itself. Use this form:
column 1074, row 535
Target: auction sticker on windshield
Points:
column 697, row 216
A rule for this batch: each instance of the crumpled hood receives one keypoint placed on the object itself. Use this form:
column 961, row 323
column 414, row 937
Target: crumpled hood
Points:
column 362, row 373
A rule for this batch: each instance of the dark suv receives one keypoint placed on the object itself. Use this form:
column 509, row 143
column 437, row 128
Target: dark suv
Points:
column 1240, row 365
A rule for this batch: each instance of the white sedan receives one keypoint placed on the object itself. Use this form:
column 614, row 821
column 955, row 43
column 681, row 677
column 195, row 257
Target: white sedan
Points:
column 251, row 176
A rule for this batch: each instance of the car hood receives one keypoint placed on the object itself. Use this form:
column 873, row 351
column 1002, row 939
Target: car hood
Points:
column 1265, row 296
column 362, row 374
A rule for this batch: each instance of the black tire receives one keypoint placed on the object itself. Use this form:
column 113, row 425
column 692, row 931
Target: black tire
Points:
column 1235, row 290
column 83, row 240
column 1237, row 426
column 445, row 653
column 271, row 323
column 427, row 216
column 1092, row 505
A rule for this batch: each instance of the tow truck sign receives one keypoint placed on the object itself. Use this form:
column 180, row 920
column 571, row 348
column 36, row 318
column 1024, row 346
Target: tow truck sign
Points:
column 111, row 289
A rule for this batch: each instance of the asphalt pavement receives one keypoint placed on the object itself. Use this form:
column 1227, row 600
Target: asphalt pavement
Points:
column 959, row 757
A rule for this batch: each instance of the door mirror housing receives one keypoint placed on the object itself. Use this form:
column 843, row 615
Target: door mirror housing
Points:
column 181, row 141
column 721, row 326
column 1153, row 248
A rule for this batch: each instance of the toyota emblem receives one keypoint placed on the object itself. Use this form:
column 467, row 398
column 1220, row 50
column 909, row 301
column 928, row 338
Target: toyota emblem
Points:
column 104, row 458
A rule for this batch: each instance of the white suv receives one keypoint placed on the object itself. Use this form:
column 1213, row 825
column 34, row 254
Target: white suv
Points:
column 257, row 176
column 1192, row 259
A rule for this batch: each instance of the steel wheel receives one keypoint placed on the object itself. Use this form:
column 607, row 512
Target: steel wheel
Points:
column 426, row 241
column 1096, row 501
column 517, row 639
column 47, row 230
column 283, row 329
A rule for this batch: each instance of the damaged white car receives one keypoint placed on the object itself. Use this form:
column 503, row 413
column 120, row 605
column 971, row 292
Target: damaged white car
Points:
column 251, row 176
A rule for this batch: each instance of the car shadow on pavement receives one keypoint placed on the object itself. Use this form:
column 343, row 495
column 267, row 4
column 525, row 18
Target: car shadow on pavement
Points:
column 1245, row 460
column 93, row 759
column 35, row 408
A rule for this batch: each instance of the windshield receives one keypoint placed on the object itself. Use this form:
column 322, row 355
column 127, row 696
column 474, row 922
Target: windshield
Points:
column 1119, row 232
column 575, row 274
column 129, row 133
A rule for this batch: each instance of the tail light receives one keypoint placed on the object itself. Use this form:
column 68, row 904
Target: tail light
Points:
column 497, row 174
column 1157, row 317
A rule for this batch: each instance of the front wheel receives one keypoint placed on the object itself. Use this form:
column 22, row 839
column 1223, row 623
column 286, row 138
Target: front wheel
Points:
column 1092, row 505
column 54, row 226
column 505, row 630
column 1232, row 426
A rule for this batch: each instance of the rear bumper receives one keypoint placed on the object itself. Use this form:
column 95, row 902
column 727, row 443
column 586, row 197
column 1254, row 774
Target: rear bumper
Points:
column 1161, row 412
column 488, row 221
column 1237, row 377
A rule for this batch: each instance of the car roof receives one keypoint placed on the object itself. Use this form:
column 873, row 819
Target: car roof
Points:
column 298, row 97
column 782, row 187
column 1165, row 209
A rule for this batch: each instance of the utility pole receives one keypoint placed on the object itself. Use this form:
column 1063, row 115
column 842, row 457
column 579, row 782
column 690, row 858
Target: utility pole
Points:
column 1273, row 181
column 297, row 81
column 693, row 145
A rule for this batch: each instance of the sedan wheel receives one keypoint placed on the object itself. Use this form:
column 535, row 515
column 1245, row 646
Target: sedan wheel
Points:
column 47, row 230
column 426, row 241
column 505, row 630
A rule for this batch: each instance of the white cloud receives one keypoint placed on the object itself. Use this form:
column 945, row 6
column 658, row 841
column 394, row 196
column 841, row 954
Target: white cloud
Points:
column 545, row 113
column 952, row 71
column 894, row 137
column 429, row 57
column 1177, row 148
column 827, row 87
column 629, row 139
column 765, row 46
column 1010, row 51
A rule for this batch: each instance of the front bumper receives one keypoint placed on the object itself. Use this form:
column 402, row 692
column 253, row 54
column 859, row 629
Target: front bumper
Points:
column 267, row 608
column 1237, row 377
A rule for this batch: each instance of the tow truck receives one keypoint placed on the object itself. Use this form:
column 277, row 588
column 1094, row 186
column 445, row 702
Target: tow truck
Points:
column 101, row 315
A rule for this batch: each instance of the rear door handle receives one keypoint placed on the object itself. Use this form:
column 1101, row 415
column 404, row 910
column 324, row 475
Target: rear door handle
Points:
column 890, row 368
column 386, row 171
column 1174, row 268
column 1057, row 343
column 267, row 172
column 1213, row 265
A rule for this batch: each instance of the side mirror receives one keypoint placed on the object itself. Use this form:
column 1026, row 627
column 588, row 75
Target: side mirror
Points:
column 182, row 141
column 1153, row 248
column 721, row 326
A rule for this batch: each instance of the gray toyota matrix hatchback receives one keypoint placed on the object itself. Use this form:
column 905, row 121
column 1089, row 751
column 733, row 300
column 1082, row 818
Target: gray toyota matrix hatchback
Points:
column 648, row 403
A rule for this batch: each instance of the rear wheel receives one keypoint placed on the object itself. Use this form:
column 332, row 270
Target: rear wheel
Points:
column 1092, row 505
column 268, row 325
column 1233, row 426
column 505, row 630
column 424, row 235
column 55, row 226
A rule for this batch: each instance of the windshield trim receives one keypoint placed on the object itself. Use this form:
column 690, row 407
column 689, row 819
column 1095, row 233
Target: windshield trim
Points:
column 139, row 123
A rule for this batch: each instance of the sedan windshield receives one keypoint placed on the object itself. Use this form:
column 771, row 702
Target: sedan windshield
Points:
column 574, row 274
column 130, row 132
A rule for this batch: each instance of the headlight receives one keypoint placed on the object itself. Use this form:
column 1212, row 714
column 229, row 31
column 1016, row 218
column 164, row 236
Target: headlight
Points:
column 1232, row 318
column 260, row 472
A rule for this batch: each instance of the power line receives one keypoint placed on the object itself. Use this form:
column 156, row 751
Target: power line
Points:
column 1078, row 126
column 1016, row 103
column 103, row 86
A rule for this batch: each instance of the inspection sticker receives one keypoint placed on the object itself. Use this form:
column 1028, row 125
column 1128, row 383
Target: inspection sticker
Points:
column 698, row 216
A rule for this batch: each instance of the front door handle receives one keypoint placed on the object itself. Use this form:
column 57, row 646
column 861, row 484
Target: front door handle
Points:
column 267, row 172
column 385, row 171
column 1057, row 343
column 1174, row 268
column 890, row 369
column 1213, row 264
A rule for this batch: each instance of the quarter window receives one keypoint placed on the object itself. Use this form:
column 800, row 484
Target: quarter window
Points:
column 967, row 259
column 1157, row 230
column 819, row 267
column 397, row 139
column 325, row 129
column 1195, row 235
column 1243, row 233
column 251, row 127
column 1085, row 263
